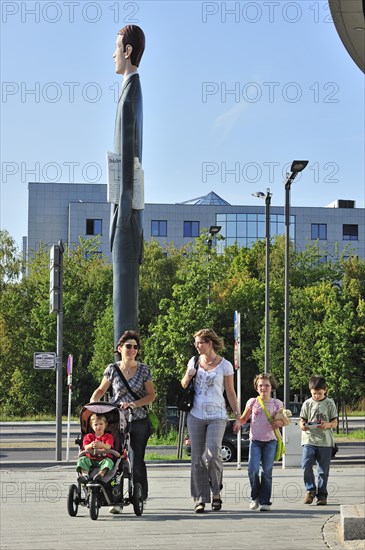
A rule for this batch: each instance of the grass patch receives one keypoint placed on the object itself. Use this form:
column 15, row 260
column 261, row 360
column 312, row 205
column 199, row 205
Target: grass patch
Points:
column 170, row 439
column 156, row 456
column 36, row 418
column 354, row 434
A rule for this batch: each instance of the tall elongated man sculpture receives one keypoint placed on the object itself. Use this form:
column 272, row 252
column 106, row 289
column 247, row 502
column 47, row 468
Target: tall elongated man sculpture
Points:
column 126, row 229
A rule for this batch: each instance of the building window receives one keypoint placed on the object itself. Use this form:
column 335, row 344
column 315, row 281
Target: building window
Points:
column 245, row 229
column 93, row 227
column 158, row 228
column 319, row 231
column 350, row 232
column 91, row 255
column 321, row 260
column 191, row 229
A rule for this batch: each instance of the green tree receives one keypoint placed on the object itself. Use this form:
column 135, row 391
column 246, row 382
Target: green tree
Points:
column 10, row 259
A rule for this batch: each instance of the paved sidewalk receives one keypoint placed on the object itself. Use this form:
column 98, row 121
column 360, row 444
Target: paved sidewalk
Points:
column 34, row 514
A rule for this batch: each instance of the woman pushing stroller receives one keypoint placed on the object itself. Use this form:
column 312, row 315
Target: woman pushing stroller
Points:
column 133, row 389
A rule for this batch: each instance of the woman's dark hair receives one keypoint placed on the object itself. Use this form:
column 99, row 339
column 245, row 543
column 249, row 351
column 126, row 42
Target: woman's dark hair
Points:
column 127, row 335
column 134, row 36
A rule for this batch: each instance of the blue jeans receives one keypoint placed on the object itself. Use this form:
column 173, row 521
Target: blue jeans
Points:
column 262, row 453
column 322, row 455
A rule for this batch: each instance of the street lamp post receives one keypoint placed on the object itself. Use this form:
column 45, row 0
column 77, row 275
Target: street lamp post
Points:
column 213, row 231
column 267, row 198
column 296, row 167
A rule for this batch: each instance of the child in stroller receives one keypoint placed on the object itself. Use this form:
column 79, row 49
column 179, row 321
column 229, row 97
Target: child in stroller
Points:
column 96, row 442
column 104, row 486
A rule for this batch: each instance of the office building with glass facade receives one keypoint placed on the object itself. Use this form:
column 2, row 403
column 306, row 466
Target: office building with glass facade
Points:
column 68, row 211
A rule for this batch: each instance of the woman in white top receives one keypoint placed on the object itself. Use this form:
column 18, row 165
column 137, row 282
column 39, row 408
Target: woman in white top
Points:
column 208, row 418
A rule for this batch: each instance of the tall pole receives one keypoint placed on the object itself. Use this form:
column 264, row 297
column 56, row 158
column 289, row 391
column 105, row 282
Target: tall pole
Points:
column 56, row 306
column 267, row 198
column 213, row 232
column 286, row 296
column 267, row 281
column 210, row 243
column 296, row 167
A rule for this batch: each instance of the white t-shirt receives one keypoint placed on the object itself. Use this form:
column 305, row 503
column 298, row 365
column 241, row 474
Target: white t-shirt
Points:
column 209, row 402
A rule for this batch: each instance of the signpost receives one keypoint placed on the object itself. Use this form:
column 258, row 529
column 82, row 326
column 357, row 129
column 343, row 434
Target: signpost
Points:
column 69, row 383
column 56, row 306
column 44, row 360
column 237, row 366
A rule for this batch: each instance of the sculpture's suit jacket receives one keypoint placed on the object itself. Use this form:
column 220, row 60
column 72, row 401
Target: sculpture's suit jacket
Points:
column 126, row 231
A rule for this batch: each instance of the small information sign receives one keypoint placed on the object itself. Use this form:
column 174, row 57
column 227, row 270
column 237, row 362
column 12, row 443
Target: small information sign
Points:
column 44, row 360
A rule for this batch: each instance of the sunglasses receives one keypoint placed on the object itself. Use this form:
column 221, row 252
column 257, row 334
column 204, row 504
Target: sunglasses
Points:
column 130, row 346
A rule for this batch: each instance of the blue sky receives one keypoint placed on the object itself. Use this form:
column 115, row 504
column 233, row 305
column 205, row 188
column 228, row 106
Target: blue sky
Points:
column 233, row 92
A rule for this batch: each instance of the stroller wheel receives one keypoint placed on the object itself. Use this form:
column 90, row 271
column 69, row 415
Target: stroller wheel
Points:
column 73, row 500
column 137, row 499
column 94, row 505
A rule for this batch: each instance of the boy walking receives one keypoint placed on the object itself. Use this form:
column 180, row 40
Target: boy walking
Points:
column 318, row 417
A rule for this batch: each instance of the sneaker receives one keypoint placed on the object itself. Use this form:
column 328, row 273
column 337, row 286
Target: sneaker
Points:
column 115, row 510
column 199, row 508
column 265, row 508
column 254, row 504
column 99, row 476
column 83, row 479
column 309, row 497
column 321, row 501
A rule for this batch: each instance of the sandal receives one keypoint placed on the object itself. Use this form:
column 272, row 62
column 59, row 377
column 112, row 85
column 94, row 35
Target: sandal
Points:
column 199, row 508
column 216, row 504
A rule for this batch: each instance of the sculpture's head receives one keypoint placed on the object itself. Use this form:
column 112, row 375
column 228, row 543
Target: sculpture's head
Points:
column 133, row 36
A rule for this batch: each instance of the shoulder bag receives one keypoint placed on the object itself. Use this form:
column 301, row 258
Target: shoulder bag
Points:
column 185, row 400
column 280, row 447
column 152, row 416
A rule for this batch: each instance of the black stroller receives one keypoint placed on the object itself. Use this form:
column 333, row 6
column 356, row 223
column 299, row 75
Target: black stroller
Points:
column 116, row 487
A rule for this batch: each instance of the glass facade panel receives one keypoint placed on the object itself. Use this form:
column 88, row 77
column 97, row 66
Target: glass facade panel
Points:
column 236, row 228
column 252, row 229
column 241, row 229
column 261, row 230
column 231, row 229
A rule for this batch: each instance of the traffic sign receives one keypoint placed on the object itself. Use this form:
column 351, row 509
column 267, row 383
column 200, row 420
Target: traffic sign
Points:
column 69, row 363
column 44, row 360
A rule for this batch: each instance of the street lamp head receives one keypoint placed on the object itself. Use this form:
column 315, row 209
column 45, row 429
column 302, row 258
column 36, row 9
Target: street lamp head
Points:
column 258, row 194
column 298, row 165
column 214, row 229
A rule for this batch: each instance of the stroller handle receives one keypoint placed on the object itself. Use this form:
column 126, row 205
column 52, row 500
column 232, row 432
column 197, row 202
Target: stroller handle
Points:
column 105, row 452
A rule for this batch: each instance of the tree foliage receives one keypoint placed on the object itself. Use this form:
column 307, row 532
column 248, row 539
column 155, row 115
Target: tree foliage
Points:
column 181, row 291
